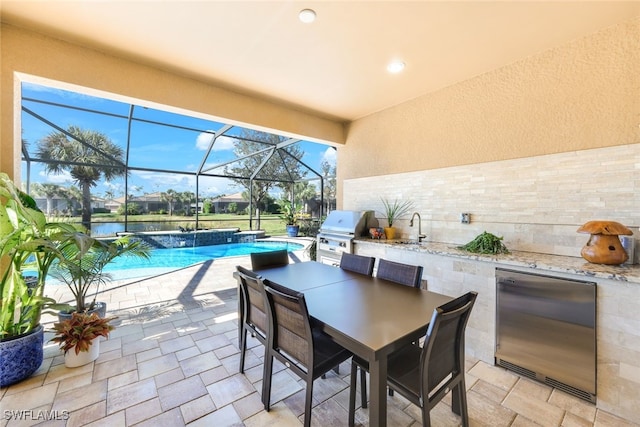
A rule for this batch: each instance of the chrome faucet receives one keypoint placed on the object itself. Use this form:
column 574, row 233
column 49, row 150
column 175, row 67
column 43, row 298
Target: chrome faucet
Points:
column 420, row 235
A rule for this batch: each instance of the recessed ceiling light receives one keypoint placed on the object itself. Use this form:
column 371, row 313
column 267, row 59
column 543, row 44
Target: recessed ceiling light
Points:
column 395, row 67
column 307, row 16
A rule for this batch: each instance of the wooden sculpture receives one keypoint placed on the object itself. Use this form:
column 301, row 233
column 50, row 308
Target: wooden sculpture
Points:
column 604, row 245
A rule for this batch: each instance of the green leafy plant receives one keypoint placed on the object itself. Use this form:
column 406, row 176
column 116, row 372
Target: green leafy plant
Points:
column 27, row 246
column 486, row 243
column 83, row 261
column 80, row 330
column 288, row 212
column 396, row 209
column 312, row 250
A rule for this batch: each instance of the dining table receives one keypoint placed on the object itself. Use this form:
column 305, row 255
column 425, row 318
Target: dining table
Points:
column 368, row 316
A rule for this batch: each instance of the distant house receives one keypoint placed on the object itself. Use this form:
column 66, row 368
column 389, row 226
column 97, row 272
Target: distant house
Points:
column 221, row 204
column 113, row 204
column 97, row 203
column 55, row 205
column 149, row 203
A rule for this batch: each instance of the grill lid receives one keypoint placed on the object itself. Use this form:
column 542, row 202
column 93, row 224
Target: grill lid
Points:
column 355, row 223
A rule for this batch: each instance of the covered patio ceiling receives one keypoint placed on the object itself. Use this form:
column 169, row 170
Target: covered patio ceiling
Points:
column 334, row 66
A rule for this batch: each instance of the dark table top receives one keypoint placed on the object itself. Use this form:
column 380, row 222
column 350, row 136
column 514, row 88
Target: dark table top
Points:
column 306, row 275
column 370, row 316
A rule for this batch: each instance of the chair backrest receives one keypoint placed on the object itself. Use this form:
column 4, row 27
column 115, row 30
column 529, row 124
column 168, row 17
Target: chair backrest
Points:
column 357, row 263
column 254, row 299
column 291, row 329
column 405, row 274
column 443, row 350
column 262, row 260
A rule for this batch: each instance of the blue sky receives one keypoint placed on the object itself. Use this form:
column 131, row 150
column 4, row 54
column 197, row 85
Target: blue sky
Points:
column 151, row 145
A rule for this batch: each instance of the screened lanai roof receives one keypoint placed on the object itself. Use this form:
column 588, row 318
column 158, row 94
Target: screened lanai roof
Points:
column 164, row 149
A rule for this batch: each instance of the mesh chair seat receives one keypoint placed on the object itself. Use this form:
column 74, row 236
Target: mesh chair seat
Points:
column 425, row 375
column 307, row 351
column 252, row 309
column 404, row 274
column 357, row 263
column 262, row 260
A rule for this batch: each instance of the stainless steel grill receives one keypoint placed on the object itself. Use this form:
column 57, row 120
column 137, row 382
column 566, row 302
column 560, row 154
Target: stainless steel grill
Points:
column 338, row 231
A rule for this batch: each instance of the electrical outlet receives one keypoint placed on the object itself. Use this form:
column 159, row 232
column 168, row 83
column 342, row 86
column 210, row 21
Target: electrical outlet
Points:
column 465, row 218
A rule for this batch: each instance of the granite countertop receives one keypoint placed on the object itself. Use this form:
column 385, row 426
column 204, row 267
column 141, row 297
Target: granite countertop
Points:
column 539, row 261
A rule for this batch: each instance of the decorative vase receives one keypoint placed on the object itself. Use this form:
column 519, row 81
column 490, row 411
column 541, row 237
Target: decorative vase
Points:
column 292, row 230
column 21, row 356
column 603, row 249
column 73, row 360
column 100, row 308
column 390, row 233
column 604, row 246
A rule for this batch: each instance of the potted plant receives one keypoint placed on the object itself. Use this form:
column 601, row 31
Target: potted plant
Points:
column 289, row 214
column 82, row 267
column 79, row 337
column 26, row 246
column 393, row 211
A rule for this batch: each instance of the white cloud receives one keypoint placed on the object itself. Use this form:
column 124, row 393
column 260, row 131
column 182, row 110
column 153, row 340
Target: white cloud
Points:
column 330, row 155
column 176, row 182
column 116, row 188
column 221, row 186
column 222, row 143
column 63, row 177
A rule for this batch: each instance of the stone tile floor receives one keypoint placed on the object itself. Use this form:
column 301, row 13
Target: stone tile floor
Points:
column 173, row 361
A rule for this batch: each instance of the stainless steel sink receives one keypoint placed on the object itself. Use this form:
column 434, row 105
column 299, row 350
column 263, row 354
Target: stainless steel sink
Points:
column 409, row 242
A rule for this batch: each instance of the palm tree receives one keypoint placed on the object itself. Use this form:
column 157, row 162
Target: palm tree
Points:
column 187, row 197
column 304, row 192
column 89, row 156
column 73, row 197
column 329, row 174
column 170, row 196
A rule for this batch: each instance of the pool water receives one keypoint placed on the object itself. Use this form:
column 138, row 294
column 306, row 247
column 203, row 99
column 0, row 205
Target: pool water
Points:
column 164, row 260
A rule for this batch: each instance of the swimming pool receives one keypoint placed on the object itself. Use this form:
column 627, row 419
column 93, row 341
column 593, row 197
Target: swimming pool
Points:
column 164, row 260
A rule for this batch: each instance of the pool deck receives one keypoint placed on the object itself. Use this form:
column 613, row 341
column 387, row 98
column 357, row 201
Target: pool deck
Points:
column 173, row 361
column 164, row 278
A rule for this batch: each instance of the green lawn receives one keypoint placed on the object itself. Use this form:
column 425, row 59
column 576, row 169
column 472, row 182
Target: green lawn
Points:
column 271, row 223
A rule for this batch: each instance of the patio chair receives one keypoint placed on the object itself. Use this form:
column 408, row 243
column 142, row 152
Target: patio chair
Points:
column 404, row 274
column 306, row 350
column 262, row 260
column 357, row 263
column 425, row 375
column 253, row 314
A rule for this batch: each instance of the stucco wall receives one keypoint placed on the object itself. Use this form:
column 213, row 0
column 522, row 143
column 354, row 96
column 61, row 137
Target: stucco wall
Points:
column 32, row 56
column 582, row 95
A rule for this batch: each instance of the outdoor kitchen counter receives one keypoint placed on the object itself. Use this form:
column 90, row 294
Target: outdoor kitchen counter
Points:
column 450, row 271
column 536, row 261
